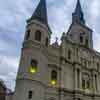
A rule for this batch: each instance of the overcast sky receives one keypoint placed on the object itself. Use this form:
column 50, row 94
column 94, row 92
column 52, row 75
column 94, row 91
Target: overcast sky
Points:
column 13, row 16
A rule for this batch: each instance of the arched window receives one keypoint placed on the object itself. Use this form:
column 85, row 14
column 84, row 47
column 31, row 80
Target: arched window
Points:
column 38, row 36
column 30, row 95
column 86, row 42
column 81, row 39
column 46, row 42
column 78, row 78
column 54, row 77
column 83, row 83
column 69, row 54
column 33, row 66
column 28, row 34
column 98, row 66
column 88, row 84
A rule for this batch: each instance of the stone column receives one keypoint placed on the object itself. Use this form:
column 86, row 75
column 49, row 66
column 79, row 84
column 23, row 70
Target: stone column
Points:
column 80, row 79
column 97, row 83
column 75, row 77
column 62, row 96
column 93, row 82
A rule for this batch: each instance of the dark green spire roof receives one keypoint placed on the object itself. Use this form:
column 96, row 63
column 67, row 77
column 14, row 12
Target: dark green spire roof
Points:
column 40, row 13
column 78, row 13
column 78, row 7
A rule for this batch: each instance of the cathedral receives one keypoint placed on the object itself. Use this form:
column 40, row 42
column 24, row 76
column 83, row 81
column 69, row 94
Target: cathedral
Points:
column 69, row 71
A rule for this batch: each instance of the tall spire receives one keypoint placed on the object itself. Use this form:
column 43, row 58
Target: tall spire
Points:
column 40, row 13
column 78, row 15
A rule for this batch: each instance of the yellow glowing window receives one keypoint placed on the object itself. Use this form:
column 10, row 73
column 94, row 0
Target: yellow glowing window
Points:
column 53, row 82
column 33, row 66
column 53, row 77
column 33, row 69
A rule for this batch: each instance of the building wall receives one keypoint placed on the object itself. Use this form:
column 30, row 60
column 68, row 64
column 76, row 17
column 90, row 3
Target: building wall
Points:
column 73, row 62
column 48, row 59
column 2, row 91
column 9, row 96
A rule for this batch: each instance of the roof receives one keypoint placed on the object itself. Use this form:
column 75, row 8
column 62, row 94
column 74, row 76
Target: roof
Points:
column 40, row 14
column 78, row 13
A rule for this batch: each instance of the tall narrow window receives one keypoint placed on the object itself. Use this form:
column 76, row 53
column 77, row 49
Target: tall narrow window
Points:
column 38, row 36
column 85, row 63
column 69, row 54
column 30, row 95
column 96, row 82
column 86, row 43
column 53, row 77
column 78, row 78
column 83, row 84
column 98, row 66
column 33, row 66
column 88, row 84
column 27, row 34
column 81, row 39
column 46, row 42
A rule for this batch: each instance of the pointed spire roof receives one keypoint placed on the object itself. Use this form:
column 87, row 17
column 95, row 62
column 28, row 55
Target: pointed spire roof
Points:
column 40, row 13
column 78, row 8
column 78, row 13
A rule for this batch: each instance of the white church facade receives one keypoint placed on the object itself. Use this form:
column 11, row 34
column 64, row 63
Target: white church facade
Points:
column 69, row 71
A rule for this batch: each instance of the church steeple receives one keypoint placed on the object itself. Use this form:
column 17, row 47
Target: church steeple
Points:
column 40, row 13
column 78, row 15
column 79, row 32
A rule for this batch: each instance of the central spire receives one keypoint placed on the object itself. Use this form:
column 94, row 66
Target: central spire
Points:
column 78, row 15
